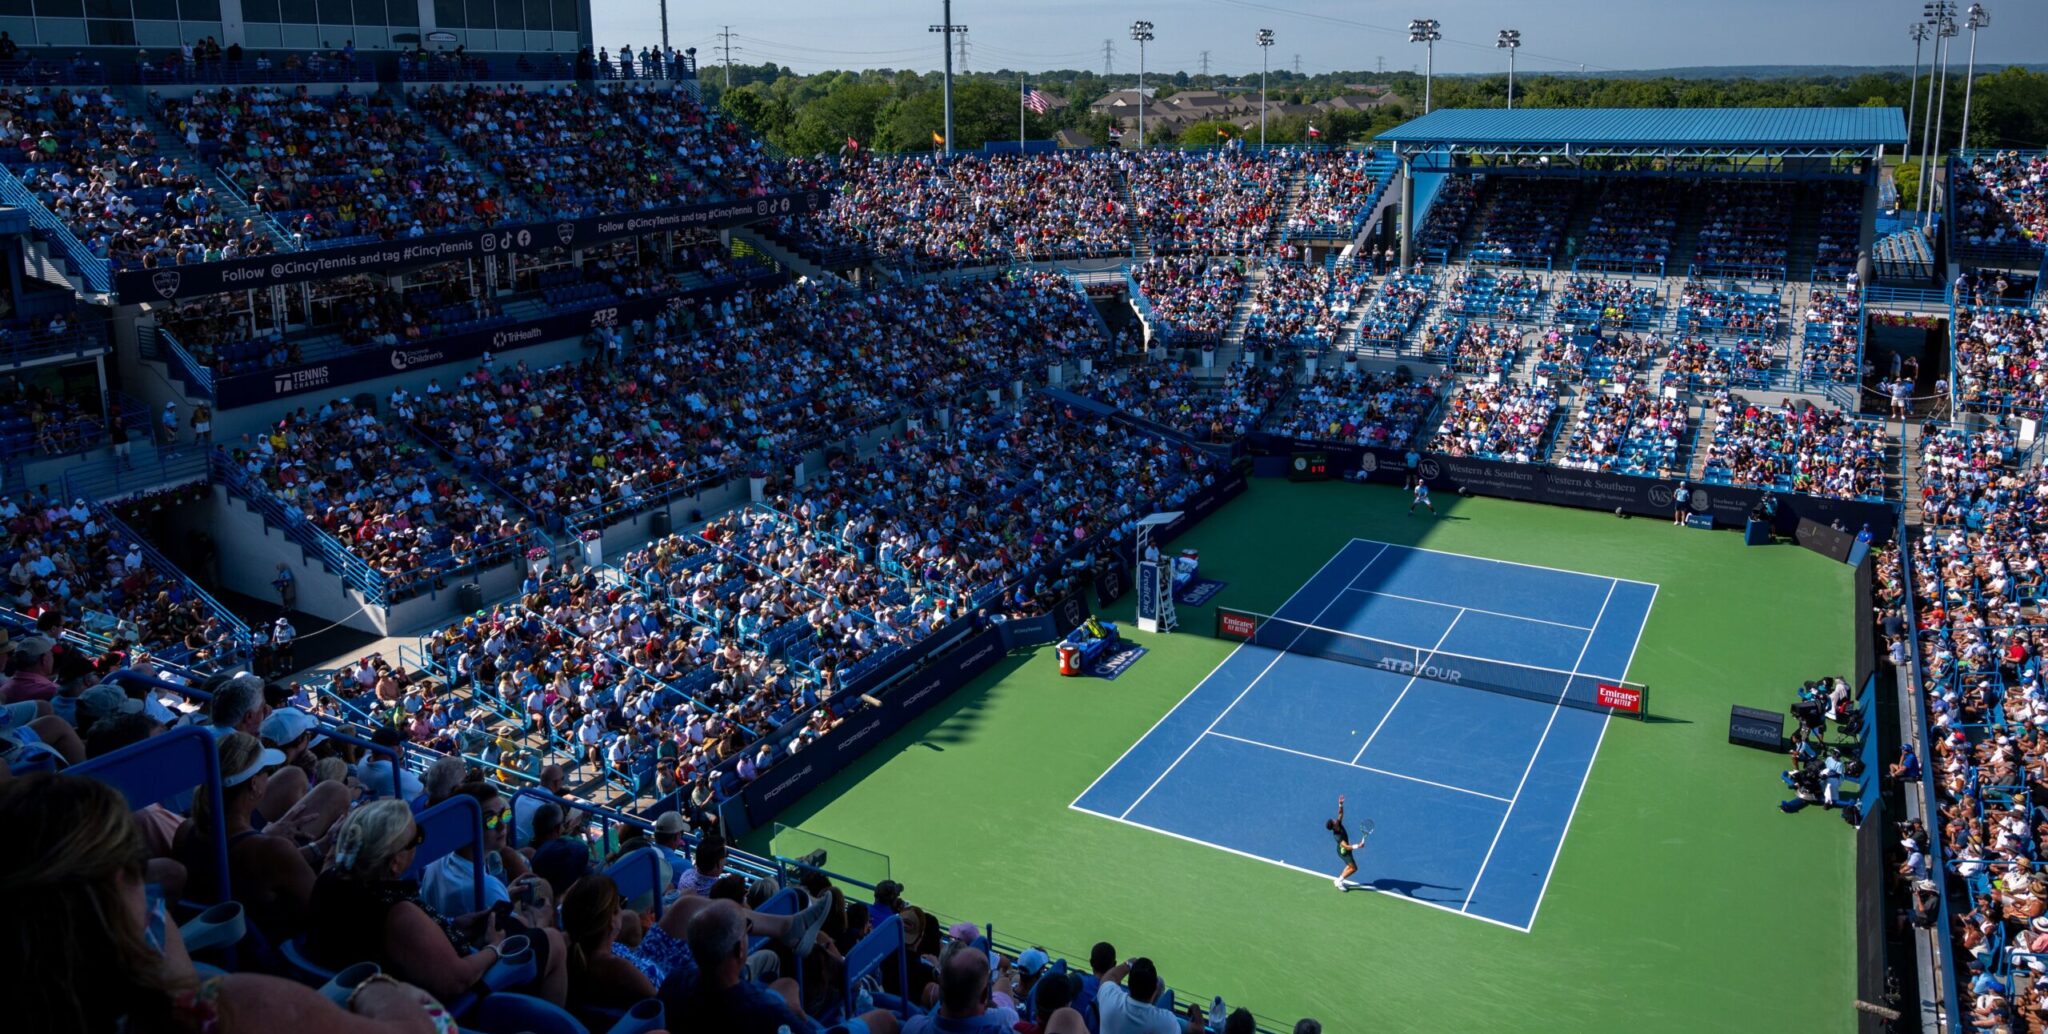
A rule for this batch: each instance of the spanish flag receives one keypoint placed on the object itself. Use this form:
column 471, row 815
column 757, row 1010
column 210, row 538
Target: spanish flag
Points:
column 937, row 140
column 1222, row 132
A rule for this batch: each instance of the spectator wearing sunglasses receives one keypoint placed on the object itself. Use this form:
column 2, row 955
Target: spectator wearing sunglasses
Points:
column 449, row 884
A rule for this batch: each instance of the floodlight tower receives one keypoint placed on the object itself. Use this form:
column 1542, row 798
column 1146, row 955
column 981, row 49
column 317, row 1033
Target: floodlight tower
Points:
column 1426, row 31
column 1919, row 33
column 1939, row 16
column 948, row 31
column 1510, row 40
column 1265, row 51
column 1141, row 33
column 1979, row 18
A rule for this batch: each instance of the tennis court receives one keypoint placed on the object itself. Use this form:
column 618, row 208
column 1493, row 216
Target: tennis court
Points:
column 1471, row 790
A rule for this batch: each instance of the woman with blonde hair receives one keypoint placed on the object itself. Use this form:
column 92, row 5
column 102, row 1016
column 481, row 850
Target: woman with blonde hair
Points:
column 364, row 909
column 90, row 952
column 270, row 875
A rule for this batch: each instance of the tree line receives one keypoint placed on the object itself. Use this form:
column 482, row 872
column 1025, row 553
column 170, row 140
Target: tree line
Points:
column 900, row 110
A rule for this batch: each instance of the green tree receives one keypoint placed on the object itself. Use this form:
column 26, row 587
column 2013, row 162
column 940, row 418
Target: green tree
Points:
column 1210, row 132
column 982, row 111
column 753, row 107
column 852, row 109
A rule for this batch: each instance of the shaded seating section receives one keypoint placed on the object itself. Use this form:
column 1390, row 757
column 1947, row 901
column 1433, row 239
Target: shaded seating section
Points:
column 1746, row 231
column 1632, row 227
column 381, row 496
column 1698, row 363
column 1526, row 224
column 1802, row 449
column 1510, row 422
column 1176, row 398
column 114, row 590
column 1627, row 429
column 1194, row 296
column 1386, row 409
column 1838, row 225
column 1964, row 480
column 93, row 162
column 334, row 169
column 1831, row 349
column 1450, row 212
column 1999, row 353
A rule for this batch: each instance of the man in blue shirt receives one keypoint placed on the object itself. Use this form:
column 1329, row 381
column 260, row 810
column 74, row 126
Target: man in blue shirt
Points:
column 719, row 997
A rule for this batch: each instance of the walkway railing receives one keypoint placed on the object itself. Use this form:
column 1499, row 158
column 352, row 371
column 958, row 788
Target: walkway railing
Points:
column 160, row 344
column 98, row 274
column 1930, row 800
column 355, row 572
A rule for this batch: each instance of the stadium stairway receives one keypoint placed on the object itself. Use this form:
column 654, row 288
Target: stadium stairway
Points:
column 779, row 253
column 39, row 263
column 1232, row 346
column 1141, row 242
column 1475, row 224
column 233, row 200
column 1685, row 243
column 1802, row 247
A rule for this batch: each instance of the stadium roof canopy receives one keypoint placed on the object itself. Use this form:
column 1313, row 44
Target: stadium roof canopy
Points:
column 1650, row 132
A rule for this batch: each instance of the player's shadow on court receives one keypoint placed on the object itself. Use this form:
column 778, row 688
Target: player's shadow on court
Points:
column 1414, row 888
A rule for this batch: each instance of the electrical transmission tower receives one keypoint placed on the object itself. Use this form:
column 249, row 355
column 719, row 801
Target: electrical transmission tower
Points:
column 963, row 49
column 1108, row 57
column 1205, row 62
column 1297, row 64
column 725, row 44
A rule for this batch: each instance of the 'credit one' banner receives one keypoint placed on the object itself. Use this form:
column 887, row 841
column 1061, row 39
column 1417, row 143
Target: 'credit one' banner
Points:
column 385, row 257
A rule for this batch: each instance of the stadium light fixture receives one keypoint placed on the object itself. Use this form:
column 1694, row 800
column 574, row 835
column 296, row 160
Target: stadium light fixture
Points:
column 1510, row 40
column 1426, row 31
column 948, row 30
column 1918, row 32
column 1265, row 51
column 1979, row 18
column 1141, row 33
column 1934, row 15
column 1943, row 32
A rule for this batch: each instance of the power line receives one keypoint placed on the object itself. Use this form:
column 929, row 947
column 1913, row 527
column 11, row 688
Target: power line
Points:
column 1205, row 62
column 963, row 48
column 1108, row 57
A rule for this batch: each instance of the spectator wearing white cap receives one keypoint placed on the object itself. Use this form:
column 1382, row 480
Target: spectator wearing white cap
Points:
column 269, row 873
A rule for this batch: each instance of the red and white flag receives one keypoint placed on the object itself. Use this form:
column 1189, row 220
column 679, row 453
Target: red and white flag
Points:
column 1037, row 101
column 1313, row 132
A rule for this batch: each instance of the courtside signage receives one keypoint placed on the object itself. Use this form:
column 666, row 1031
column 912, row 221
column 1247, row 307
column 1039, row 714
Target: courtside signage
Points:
column 1620, row 698
column 1236, row 626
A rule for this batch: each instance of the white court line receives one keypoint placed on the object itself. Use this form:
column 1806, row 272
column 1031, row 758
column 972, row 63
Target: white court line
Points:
column 1531, row 766
column 1323, row 877
column 1249, row 685
column 1475, row 610
column 1411, row 685
column 1510, row 563
column 1366, row 768
column 1219, row 667
column 1587, row 775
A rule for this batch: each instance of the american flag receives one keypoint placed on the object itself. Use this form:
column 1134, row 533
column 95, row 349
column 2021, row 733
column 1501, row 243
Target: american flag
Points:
column 1037, row 101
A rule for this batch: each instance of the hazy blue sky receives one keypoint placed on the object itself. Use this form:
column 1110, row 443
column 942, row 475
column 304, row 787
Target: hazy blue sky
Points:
column 809, row 35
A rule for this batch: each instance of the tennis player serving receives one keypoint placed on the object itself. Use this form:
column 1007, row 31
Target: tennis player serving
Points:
column 1345, row 846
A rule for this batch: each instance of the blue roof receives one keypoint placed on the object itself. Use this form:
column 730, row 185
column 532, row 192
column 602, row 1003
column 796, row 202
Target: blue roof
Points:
column 1652, row 127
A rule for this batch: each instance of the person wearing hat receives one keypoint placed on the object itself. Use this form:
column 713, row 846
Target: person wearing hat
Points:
column 34, row 660
column 269, row 873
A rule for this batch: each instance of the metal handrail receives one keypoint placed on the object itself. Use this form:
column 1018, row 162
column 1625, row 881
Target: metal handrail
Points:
column 97, row 271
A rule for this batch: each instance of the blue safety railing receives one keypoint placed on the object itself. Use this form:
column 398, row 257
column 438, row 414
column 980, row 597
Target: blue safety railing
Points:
column 162, row 565
column 355, row 572
column 1930, row 799
column 98, row 274
column 82, row 341
column 158, row 343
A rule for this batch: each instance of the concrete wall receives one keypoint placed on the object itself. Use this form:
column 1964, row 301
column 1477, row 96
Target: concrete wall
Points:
column 250, row 552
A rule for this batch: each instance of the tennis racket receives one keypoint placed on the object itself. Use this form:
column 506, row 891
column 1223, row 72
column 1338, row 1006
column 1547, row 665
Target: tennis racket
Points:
column 1365, row 828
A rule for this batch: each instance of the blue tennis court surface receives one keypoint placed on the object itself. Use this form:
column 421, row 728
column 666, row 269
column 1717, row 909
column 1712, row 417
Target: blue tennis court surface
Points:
column 1471, row 790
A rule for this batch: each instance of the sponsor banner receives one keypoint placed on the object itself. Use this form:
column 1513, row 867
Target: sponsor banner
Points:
column 1637, row 496
column 802, row 772
column 1116, row 660
column 1148, row 591
column 1620, row 698
column 282, row 382
column 1236, row 626
column 1112, row 582
column 1199, row 592
column 386, row 257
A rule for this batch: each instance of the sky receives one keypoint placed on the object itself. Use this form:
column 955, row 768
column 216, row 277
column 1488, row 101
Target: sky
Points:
column 1557, row 35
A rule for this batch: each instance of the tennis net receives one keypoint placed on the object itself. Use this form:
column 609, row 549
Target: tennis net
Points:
column 1548, row 685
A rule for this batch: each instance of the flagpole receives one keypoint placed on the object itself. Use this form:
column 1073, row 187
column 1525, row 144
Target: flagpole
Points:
column 1020, row 114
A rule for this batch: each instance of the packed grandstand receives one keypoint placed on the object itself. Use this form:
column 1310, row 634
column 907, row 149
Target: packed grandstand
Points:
column 640, row 517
